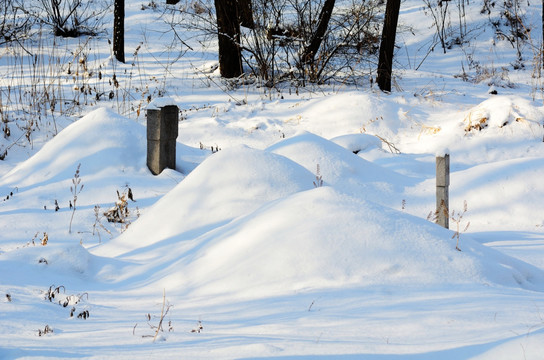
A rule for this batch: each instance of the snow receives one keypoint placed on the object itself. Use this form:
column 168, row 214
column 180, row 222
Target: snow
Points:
column 294, row 226
column 160, row 102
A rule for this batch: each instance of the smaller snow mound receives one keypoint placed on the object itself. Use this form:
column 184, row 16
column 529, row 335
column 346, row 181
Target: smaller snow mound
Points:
column 339, row 167
column 99, row 140
column 228, row 184
column 501, row 112
column 350, row 112
column 38, row 263
column 500, row 193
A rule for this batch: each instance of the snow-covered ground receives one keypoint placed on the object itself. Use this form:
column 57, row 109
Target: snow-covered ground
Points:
column 241, row 254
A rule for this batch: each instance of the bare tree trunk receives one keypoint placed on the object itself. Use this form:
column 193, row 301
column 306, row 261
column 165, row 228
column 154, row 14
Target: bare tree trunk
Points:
column 387, row 45
column 311, row 49
column 228, row 26
column 245, row 13
column 119, row 30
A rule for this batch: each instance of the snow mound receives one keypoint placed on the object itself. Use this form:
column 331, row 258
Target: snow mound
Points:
column 36, row 263
column 338, row 166
column 353, row 112
column 322, row 239
column 249, row 223
column 230, row 183
column 100, row 140
column 519, row 183
column 508, row 112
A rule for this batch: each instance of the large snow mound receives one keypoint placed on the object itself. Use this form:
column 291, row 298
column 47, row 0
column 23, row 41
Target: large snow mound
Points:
column 323, row 239
column 249, row 223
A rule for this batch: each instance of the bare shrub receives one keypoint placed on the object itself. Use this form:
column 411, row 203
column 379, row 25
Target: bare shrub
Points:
column 73, row 18
column 120, row 213
column 441, row 22
column 275, row 48
column 75, row 189
column 457, row 217
column 508, row 20
column 159, row 327
column 318, row 178
column 15, row 25
column 273, row 43
column 45, row 331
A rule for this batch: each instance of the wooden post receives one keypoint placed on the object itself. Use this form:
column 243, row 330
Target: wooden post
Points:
column 442, row 190
column 162, row 132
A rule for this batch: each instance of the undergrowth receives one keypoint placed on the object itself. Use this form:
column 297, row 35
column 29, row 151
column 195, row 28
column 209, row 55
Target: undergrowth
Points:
column 159, row 326
column 54, row 294
column 455, row 216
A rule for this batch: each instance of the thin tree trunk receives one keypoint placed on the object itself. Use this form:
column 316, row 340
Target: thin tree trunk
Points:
column 228, row 26
column 311, row 50
column 119, row 30
column 387, row 45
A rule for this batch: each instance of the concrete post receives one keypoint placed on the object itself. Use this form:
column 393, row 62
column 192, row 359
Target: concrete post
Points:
column 442, row 190
column 162, row 132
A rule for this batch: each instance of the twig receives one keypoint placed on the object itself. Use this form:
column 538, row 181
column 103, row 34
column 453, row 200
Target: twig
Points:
column 162, row 315
column 390, row 145
column 76, row 181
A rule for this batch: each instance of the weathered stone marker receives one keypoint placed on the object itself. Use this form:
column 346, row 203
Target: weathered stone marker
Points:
column 162, row 132
column 442, row 190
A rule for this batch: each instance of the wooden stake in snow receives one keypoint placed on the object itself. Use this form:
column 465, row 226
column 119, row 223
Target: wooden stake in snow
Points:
column 442, row 190
column 162, row 132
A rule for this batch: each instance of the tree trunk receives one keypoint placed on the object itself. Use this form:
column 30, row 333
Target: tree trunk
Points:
column 311, row 49
column 228, row 27
column 387, row 45
column 245, row 13
column 119, row 30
